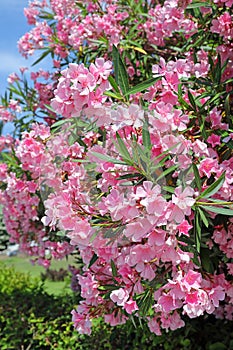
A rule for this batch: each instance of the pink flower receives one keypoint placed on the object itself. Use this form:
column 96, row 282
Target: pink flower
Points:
column 223, row 26
column 168, row 303
column 157, row 237
column 214, row 140
column 183, row 202
column 81, row 233
column 216, row 294
column 154, row 326
column 119, row 296
column 184, row 228
column 155, row 204
column 101, row 69
column 192, row 280
column 130, row 306
column 208, row 166
column 137, row 229
column 115, row 320
column 175, row 321
column 81, row 322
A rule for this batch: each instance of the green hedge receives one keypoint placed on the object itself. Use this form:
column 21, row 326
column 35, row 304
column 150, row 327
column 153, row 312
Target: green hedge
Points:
column 32, row 319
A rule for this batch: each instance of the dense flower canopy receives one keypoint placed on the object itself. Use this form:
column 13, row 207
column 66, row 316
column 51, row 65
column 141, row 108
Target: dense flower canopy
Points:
column 131, row 167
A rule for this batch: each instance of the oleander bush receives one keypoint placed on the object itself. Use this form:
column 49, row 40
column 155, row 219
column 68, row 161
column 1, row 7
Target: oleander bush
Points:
column 122, row 155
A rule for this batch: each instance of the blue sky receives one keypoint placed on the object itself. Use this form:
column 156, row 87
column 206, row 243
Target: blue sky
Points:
column 13, row 25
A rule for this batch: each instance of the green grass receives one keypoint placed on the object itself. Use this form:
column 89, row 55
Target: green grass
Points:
column 23, row 264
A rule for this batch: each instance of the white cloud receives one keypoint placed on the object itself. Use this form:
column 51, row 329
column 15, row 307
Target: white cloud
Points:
column 10, row 62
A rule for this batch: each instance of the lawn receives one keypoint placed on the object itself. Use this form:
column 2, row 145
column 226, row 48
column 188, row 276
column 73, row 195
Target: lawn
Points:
column 22, row 263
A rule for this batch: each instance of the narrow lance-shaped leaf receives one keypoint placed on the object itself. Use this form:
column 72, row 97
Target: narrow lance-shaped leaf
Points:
column 197, row 230
column 197, row 176
column 145, row 302
column 107, row 158
column 113, row 95
column 122, row 148
column 146, row 137
column 213, row 188
column 167, row 171
column 218, row 71
column 44, row 54
column 182, row 102
column 120, row 71
column 142, row 86
column 169, row 189
column 129, row 176
column 93, row 260
column 59, row 123
column 113, row 84
column 203, row 217
column 198, row 5
column 114, row 269
column 227, row 106
column 218, row 210
column 50, row 108
column 192, row 100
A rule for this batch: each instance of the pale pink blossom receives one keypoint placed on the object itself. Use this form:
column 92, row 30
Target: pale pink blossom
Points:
column 119, row 296
column 130, row 306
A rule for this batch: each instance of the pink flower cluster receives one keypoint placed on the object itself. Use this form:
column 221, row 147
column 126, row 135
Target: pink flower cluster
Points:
column 80, row 88
column 164, row 20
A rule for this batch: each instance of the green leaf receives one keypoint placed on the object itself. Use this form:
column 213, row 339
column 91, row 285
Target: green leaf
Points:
column 167, row 171
column 227, row 106
column 218, row 210
column 113, row 83
column 9, row 158
column 142, row 86
column 131, row 318
column 114, row 269
column 217, row 346
column 197, row 231
column 108, row 287
column 139, row 154
column 61, row 234
column 113, row 95
column 107, row 158
column 145, row 302
column 50, row 108
column 182, row 102
column 218, row 71
column 93, row 260
column 192, row 100
column 203, row 217
column 44, row 54
column 146, row 137
column 120, row 71
column 213, row 100
column 197, row 5
column 122, row 148
column 129, row 176
column 203, row 127
column 206, row 262
column 169, row 189
column 213, row 188
column 59, row 123
column 197, row 176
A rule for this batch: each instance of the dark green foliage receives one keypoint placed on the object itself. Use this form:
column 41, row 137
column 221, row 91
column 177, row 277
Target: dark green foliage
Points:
column 4, row 237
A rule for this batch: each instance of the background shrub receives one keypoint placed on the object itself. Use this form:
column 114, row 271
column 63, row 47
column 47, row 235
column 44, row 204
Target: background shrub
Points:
column 30, row 318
